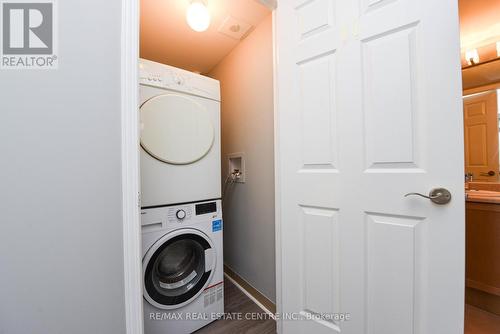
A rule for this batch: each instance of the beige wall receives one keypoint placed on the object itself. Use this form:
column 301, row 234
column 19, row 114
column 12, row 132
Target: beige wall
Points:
column 246, row 77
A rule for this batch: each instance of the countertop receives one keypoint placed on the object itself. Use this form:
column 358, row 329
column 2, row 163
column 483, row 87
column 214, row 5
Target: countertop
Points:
column 483, row 196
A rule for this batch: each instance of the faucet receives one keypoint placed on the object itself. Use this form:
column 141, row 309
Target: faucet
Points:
column 468, row 177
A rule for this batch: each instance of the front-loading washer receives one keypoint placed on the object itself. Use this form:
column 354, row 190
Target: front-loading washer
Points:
column 182, row 267
column 180, row 136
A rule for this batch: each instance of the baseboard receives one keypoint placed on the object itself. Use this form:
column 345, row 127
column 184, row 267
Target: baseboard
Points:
column 265, row 303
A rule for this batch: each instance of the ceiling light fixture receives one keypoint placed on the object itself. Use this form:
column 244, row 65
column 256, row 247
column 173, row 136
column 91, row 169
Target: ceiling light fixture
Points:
column 198, row 16
column 472, row 57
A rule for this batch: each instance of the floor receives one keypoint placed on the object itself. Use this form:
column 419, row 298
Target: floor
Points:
column 237, row 304
column 478, row 321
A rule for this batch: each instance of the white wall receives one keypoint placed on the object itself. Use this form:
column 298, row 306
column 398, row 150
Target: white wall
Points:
column 246, row 77
column 61, row 257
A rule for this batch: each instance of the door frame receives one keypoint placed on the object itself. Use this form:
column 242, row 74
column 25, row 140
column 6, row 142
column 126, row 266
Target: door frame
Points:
column 132, row 250
column 277, row 182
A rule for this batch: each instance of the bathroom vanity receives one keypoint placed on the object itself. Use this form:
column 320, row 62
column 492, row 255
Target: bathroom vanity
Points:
column 483, row 246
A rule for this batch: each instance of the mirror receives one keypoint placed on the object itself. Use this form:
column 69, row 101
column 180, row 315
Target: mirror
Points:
column 481, row 131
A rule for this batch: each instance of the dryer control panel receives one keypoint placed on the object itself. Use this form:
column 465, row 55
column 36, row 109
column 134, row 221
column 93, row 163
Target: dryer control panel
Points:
column 176, row 79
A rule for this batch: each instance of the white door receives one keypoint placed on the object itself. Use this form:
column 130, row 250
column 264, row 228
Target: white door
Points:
column 369, row 109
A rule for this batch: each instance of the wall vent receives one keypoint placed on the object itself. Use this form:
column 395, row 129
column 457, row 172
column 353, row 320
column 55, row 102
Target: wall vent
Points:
column 234, row 28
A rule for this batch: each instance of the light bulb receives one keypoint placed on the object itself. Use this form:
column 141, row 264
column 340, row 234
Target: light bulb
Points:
column 472, row 57
column 197, row 16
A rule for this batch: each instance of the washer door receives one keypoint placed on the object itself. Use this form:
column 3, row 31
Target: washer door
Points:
column 177, row 268
column 176, row 129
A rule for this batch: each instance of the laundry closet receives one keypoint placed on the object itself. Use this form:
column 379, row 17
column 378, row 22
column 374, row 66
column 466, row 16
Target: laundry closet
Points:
column 207, row 161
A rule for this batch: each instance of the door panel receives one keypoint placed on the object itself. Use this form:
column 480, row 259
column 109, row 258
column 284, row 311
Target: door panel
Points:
column 363, row 119
column 389, row 91
column 395, row 271
column 320, row 258
column 318, row 112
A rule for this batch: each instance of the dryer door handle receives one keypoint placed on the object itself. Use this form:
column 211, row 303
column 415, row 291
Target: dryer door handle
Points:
column 209, row 259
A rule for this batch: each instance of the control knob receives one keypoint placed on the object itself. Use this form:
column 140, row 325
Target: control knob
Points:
column 180, row 214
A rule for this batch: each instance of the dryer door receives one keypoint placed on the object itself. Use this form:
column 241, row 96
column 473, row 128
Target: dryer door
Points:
column 176, row 129
column 177, row 268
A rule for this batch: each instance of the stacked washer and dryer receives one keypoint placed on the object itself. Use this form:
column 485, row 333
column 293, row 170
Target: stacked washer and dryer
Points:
column 181, row 214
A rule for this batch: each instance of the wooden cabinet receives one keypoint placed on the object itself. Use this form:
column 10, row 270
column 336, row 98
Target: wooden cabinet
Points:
column 483, row 255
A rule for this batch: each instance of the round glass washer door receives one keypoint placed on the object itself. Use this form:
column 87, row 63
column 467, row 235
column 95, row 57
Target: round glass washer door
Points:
column 176, row 129
column 177, row 268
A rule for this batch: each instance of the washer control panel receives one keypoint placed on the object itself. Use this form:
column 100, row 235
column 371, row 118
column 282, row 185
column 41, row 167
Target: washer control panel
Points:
column 179, row 214
column 191, row 212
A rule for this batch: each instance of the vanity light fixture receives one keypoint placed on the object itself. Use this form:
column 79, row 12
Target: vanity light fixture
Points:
column 472, row 57
column 198, row 16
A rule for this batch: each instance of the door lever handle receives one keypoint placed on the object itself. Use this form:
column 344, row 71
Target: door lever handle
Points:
column 437, row 195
